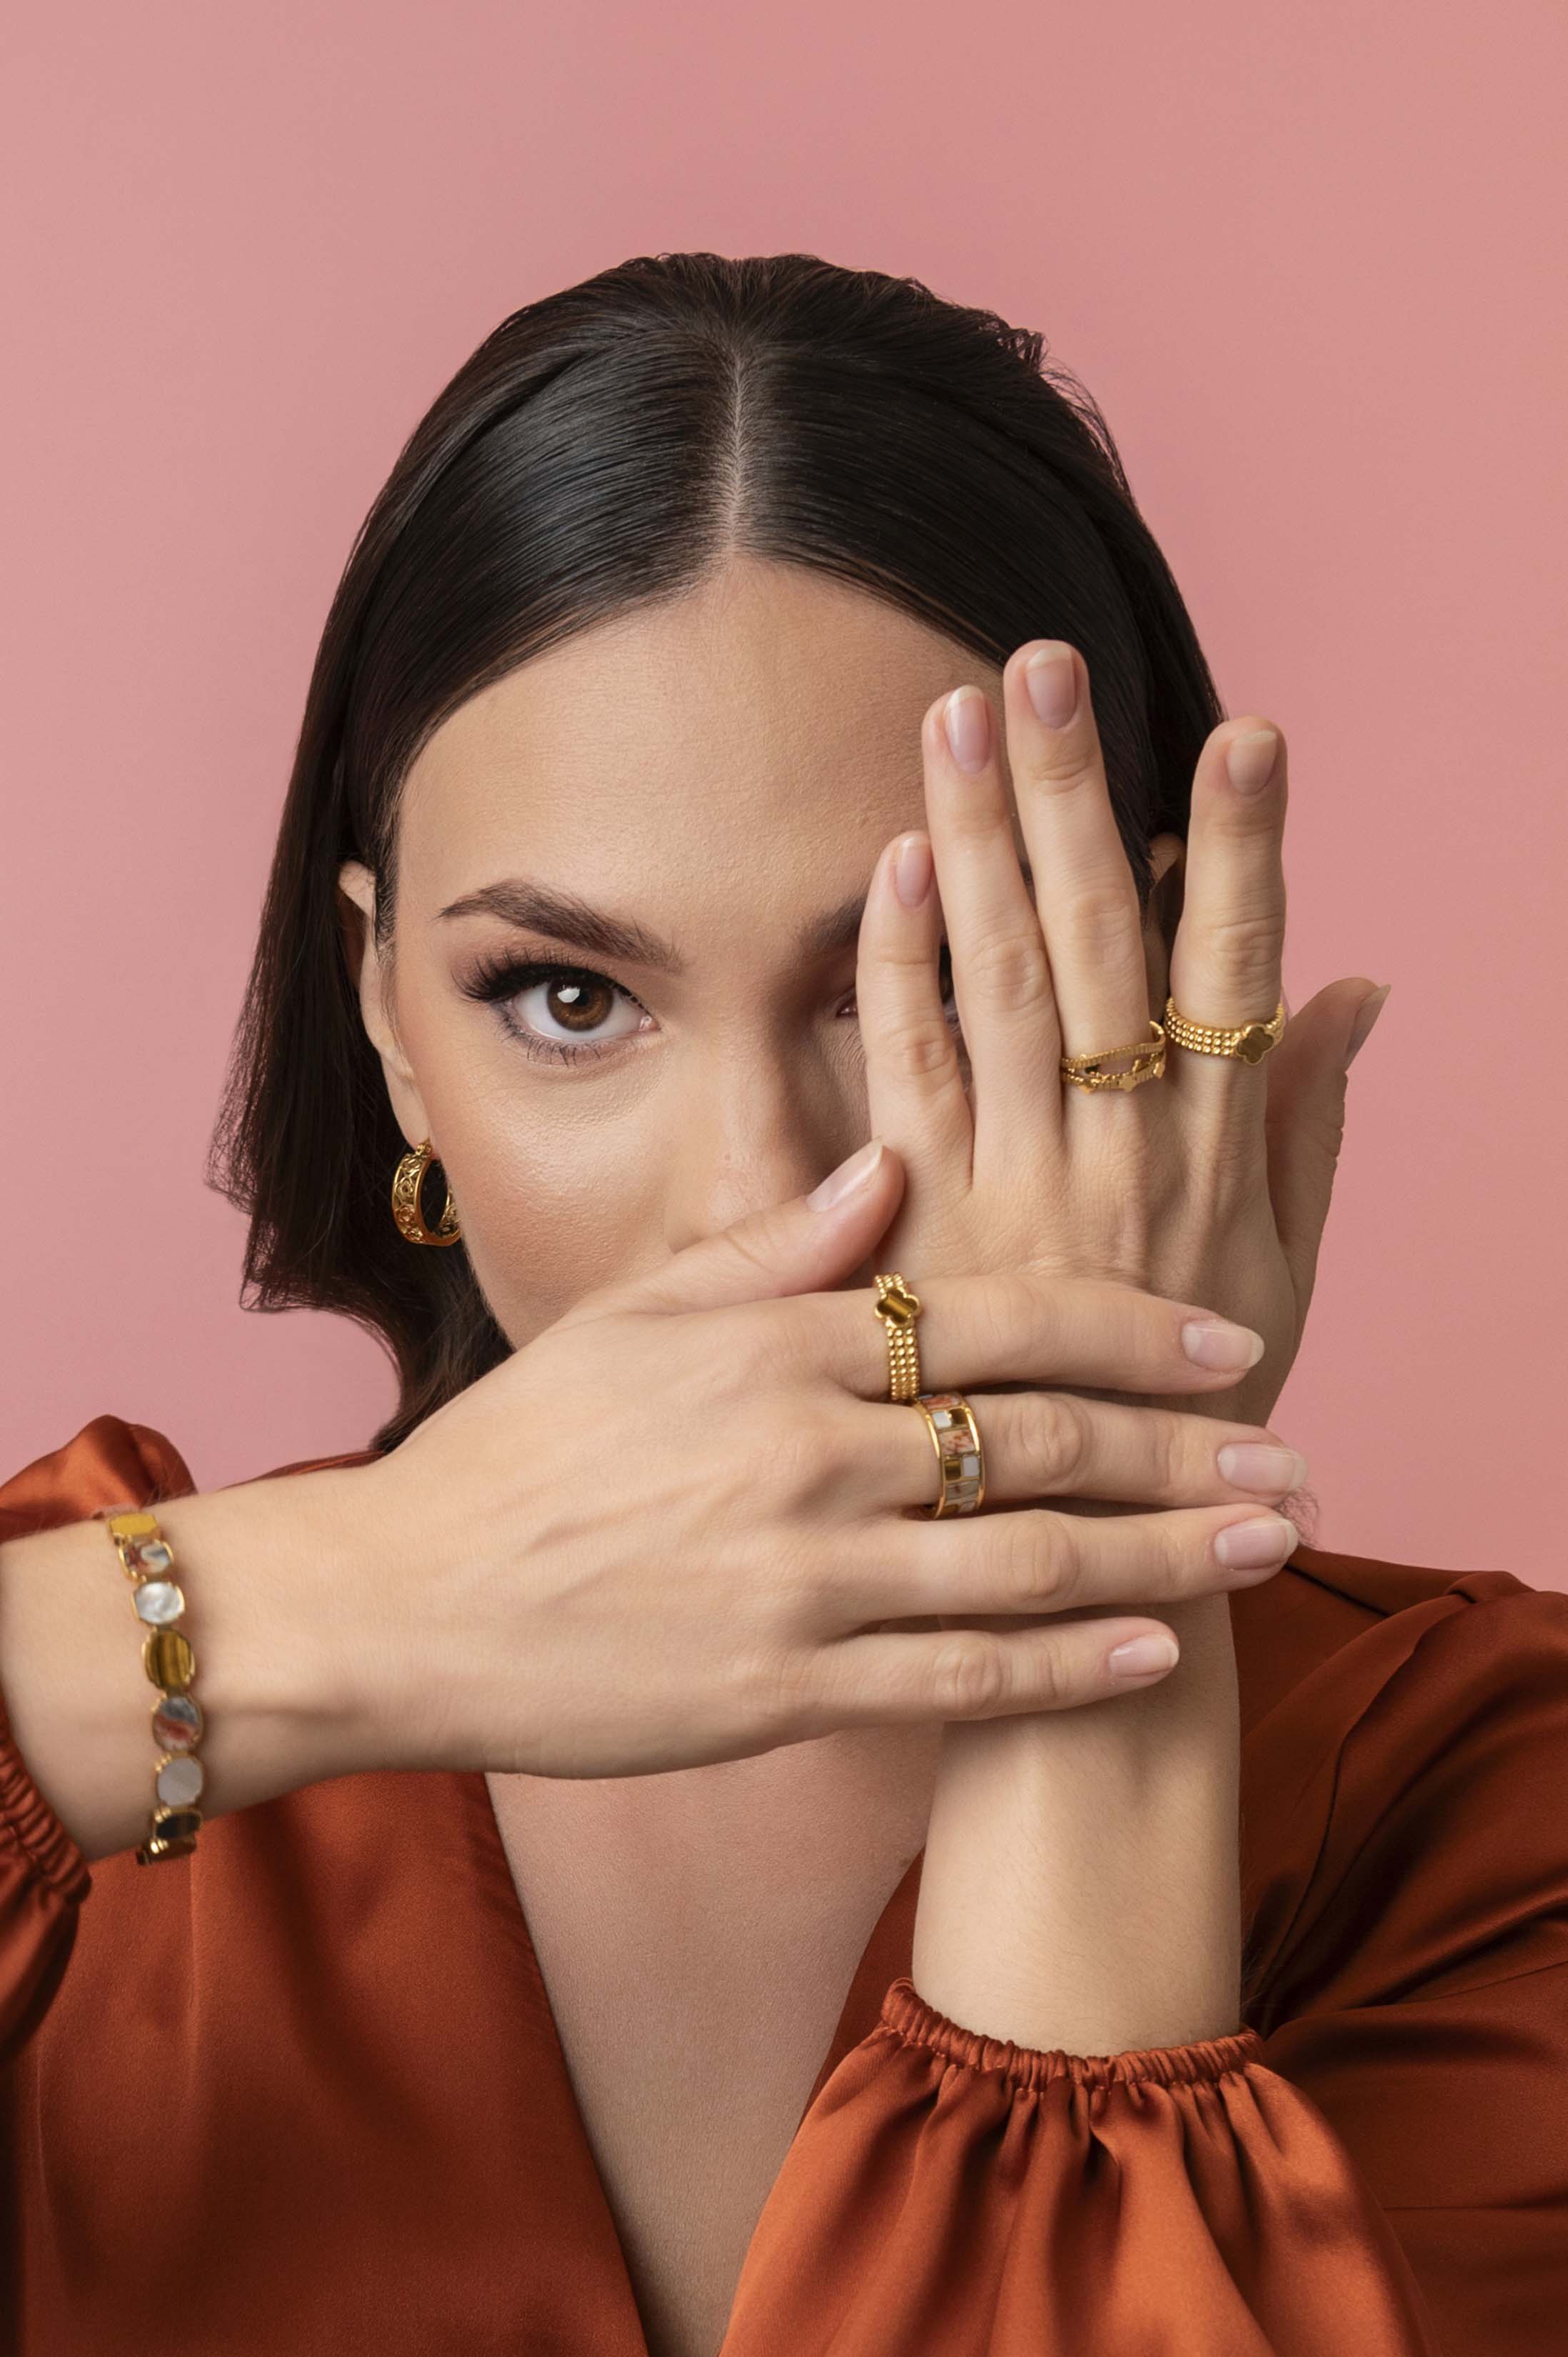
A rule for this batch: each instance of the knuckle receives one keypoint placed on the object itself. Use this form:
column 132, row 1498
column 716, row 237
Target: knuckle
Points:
column 1189, row 1562
column 1177, row 1453
column 1057, row 763
column 1051, row 1686
column 915, row 1047
column 779, row 1693
column 1102, row 919
column 1055, row 1441
column 1009, row 970
column 1246, row 944
column 969, row 1675
column 800, row 1450
column 1036, row 1561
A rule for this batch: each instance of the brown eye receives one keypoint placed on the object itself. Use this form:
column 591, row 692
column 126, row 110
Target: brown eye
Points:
column 579, row 1001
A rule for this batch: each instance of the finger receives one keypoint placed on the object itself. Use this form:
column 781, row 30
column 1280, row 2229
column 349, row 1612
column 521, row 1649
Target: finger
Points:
column 1038, row 1560
column 900, row 1680
column 1084, row 887
column 1227, row 957
column 794, row 1247
column 1016, row 1325
column 1002, row 975
column 1303, row 1123
column 1041, row 1443
column 915, row 1079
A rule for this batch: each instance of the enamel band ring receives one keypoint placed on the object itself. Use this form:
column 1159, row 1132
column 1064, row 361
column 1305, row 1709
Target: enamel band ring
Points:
column 898, row 1309
column 1248, row 1042
column 1148, row 1064
column 955, row 1436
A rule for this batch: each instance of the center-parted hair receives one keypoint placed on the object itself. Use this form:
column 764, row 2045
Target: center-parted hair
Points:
column 605, row 449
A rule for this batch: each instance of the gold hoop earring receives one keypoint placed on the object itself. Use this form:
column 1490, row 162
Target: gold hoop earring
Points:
column 408, row 1179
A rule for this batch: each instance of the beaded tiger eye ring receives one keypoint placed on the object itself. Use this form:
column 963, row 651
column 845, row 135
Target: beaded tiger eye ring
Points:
column 147, row 1561
column 898, row 1309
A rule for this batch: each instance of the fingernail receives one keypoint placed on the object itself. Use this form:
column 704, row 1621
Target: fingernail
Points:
column 1211, row 1342
column 849, row 1175
column 1251, row 759
column 912, row 870
column 1258, row 1464
column 1052, row 682
column 1141, row 1657
column 967, row 719
column 1252, row 1546
column 1366, row 1014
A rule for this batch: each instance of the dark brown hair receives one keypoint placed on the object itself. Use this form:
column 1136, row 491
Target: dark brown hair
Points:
column 606, row 449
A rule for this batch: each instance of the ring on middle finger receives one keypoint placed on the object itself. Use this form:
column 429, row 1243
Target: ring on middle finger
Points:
column 1148, row 1063
column 960, row 1457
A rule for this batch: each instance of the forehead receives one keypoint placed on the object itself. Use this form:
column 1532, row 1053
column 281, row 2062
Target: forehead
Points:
column 763, row 731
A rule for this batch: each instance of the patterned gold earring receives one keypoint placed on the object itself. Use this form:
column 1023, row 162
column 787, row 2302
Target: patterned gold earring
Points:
column 407, row 1180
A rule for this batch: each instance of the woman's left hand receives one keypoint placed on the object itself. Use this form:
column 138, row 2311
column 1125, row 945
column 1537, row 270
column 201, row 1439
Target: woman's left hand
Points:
column 1210, row 1185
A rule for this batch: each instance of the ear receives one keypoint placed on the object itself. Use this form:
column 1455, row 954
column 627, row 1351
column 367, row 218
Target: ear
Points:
column 1167, row 857
column 373, row 979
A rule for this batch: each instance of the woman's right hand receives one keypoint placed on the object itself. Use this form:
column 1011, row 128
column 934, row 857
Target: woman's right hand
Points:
column 676, row 1527
column 670, row 1530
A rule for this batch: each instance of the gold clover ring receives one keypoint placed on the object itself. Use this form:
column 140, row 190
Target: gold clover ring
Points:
column 898, row 1308
column 1248, row 1043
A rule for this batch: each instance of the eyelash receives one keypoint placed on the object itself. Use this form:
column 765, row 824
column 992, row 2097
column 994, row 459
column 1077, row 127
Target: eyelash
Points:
column 496, row 980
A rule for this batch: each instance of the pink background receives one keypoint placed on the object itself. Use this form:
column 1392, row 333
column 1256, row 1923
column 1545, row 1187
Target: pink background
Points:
column 1307, row 259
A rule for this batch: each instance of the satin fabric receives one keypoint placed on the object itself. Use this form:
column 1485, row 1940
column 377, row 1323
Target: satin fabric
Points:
column 304, row 2094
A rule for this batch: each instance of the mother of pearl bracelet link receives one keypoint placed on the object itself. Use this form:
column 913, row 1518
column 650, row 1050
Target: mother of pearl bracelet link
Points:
column 147, row 1561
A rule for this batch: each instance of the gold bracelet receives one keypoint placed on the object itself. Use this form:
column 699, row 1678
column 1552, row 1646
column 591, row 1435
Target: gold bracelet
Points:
column 147, row 1560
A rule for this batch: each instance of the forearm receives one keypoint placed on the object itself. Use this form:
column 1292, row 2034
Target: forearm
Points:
column 281, row 1671
column 1081, row 1885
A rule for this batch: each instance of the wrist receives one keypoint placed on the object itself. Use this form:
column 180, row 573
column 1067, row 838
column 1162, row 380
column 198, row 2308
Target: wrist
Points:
column 291, row 1667
column 1080, row 1883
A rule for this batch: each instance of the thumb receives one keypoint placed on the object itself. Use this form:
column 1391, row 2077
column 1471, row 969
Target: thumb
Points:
column 804, row 1245
column 1305, row 1118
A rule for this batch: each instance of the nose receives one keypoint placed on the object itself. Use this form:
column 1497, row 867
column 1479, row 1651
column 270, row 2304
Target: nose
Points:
column 751, row 1133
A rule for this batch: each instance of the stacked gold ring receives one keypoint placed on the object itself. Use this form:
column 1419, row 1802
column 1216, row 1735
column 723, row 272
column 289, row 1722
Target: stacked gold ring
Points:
column 1148, row 1064
column 949, row 1419
column 898, row 1308
column 1248, row 1042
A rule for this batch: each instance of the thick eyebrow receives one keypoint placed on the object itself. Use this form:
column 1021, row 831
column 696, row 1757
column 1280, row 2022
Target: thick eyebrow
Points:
column 533, row 908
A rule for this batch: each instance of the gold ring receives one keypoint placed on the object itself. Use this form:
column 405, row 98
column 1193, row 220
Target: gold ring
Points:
column 961, row 1457
column 1248, row 1042
column 1148, row 1064
column 898, row 1308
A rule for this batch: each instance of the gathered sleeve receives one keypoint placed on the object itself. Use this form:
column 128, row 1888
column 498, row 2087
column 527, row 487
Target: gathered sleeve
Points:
column 44, row 1878
column 1376, row 2163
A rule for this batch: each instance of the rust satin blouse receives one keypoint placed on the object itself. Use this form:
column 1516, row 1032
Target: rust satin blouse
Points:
column 301, row 2096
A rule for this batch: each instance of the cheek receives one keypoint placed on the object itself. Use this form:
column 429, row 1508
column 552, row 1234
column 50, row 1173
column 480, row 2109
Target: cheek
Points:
column 556, row 1193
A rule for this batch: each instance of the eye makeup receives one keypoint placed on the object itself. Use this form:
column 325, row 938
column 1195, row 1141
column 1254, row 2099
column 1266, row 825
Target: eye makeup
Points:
column 500, row 980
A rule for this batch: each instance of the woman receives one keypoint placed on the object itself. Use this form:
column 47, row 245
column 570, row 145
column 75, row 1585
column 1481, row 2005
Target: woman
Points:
column 631, row 1876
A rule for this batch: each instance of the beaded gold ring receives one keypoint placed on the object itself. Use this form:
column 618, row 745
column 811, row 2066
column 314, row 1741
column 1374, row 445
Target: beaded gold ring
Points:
column 147, row 1561
column 898, row 1309
column 1248, row 1042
